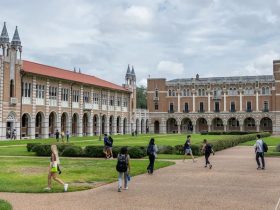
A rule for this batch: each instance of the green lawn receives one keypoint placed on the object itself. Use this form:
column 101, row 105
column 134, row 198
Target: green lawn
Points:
column 4, row 205
column 30, row 174
column 271, row 141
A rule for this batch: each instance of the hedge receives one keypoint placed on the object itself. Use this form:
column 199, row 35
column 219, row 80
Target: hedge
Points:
column 226, row 133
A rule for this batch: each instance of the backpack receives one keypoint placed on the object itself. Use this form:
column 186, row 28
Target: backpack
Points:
column 208, row 148
column 265, row 147
column 150, row 150
column 122, row 163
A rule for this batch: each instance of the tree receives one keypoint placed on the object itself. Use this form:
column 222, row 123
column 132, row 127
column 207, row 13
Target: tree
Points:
column 141, row 97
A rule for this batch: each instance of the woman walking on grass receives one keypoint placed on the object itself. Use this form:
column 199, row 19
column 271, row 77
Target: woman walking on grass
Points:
column 152, row 153
column 54, row 168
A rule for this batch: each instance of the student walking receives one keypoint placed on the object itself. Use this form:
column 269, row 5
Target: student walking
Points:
column 123, row 168
column 54, row 168
column 188, row 149
column 67, row 136
column 62, row 136
column 57, row 135
column 106, row 145
column 260, row 148
column 207, row 150
column 110, row 147
column 152, row 153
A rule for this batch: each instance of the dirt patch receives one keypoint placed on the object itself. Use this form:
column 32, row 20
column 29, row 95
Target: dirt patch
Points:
column 88, row 184
column 31, row 170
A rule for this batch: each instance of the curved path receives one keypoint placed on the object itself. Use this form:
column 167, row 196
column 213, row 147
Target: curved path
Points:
column 233, row 183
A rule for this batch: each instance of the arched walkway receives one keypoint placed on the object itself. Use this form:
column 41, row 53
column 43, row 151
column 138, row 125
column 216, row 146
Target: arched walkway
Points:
column 147, row 126
column 118, row 124
column 64, row 122
column 85, row 124
column 95, row 123
column 249, row 124
column 201, row 125
column 233, row 124
column 171, row 126
column 266, row 124
column 75, row 119
column 39, row 125
column 217, row 124
column 186, row 125
column 124, row 125
column 156, row 127
column 111, row 124
column 52, row 123
column 10, row 124
column 25, row 125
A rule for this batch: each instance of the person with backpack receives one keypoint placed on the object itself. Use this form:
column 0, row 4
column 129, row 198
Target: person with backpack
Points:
column 106, row 146
column 110, row 147
column 152, row 153
column 57, row 135
column 123, row 168
column 54, row 168
column 207, row 149
column 188, row 149
column 260, row 148
column 67, row 136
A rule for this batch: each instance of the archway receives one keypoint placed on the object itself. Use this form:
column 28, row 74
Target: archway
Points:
column 124, row 125
column 103, row 124
column 137, row 126
column 25, row 125
column 11, row 124
column 52, row 123
column 95, row 125
column 39, row 125
column 171, row 126
column 217, row 124
column 233, row 124
column 249, row 124
column 85, row 124
column 118, row 124
column 147, row 126
column 75, row 124
column 64, row 120
column 266, row 124
column 201, row 125
column 156, row 127
column 186, row 125
column 111, row 121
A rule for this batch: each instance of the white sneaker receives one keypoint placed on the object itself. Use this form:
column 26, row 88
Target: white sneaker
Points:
column 126, row 188
column 47, row 188
column 65, row 187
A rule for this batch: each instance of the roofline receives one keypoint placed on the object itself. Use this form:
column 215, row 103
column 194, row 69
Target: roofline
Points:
column 124, row 89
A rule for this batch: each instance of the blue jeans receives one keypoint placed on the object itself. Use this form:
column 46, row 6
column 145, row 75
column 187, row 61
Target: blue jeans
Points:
column 121, row 176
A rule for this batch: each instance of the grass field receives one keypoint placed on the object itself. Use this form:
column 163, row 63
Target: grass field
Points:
column 30, row 174
column 4, row 205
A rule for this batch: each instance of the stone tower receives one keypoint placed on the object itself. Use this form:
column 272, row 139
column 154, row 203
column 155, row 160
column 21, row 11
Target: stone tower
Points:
column 10, row 86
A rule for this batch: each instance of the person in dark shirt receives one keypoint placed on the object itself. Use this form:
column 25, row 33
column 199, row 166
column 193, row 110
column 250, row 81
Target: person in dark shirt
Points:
column 106, row 145
column 207, row 150
column 188, row 149
column 57, row 135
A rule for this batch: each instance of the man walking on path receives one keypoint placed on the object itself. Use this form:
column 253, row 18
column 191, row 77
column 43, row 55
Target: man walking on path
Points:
column 207, row 150
column 259, row 152
column 188, row 149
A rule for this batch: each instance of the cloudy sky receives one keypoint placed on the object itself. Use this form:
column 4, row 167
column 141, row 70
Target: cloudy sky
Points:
column 161, row 38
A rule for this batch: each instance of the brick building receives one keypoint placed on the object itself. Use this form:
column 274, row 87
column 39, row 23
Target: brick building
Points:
column 242, row 103
column 36, row 99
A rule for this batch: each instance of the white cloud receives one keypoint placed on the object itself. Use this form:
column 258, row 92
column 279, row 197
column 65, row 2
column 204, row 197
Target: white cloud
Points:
column 139, row 14
column 170, row 68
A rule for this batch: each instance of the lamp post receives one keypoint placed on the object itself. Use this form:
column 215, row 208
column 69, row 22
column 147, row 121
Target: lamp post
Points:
column 100, row 123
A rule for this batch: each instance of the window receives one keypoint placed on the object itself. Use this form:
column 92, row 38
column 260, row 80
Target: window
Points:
column 188, row 92
column 232, row 106
column 104, row 98
column 26, row 89
column 265, row 106
column 265, row 91
column 64, row 94
column 184, row 92
column 86, row 97
column 171, row 107
column 249, row 91
column 173, row 93
column 52, row 93
column 76, row 96
column 249, row 106
column 156, row 106
column 40, row 91
column 201, row 92
column 95, row 98
column 125, row 102
column 186, row 108
column 112, row 100
column 232, row 91
column 156, row 93
column 119, row 99
column 217, row 107
column 201, row 108
column 169, row 93
column 217, row 93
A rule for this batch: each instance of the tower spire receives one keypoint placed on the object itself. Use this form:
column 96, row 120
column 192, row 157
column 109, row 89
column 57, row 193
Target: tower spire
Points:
column 4, row 38
column 128, row 70
column 16, row 40
column 133, row 73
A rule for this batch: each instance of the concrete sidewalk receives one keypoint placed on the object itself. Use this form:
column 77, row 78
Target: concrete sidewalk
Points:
column 233, row 183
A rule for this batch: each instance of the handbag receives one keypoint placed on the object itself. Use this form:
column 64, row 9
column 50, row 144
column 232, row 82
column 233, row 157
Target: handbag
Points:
column 54, row 167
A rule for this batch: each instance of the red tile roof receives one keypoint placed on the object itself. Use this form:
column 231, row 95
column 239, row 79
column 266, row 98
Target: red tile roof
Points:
column 50, row 71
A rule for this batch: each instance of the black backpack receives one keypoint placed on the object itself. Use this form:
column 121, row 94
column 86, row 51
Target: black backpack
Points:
column 122, row 163
column 208, row 148
column 265, row 147
column 150, row 150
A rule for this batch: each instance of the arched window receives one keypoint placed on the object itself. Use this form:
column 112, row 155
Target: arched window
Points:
column 173, row 93
column 203, row 92
column 263, row 90
column 188, row 92
column 184, row 92
column 267, row 91
column 156, row 93
column 199, row 92
column 169, row 92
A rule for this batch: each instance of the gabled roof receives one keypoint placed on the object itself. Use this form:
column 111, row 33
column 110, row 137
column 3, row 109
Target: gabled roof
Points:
column 50, row 71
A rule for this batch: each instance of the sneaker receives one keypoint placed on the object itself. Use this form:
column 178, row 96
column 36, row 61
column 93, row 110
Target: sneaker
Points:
column 205, row 166
column 126, row 188
column 258, row 168
column 210, row 166
column 47, row 188
column 263, row 168
column 65, row 187
column 119, row 189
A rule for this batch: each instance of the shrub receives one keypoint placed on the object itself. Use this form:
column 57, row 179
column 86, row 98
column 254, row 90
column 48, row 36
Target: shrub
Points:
column 72, row 151
column 179, row 149
column 277, row 149
column 165, row 149
column 136, row 152
column 94, row 151
column 30, row 146
column 42, row 149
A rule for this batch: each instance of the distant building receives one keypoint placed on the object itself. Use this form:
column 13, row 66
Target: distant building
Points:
column 242, row 103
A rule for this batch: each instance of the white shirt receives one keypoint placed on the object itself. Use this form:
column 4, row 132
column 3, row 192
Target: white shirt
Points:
column 259, row 145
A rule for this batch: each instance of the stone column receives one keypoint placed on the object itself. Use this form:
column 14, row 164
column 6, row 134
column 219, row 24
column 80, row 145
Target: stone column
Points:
column 33, row 114
column 209, row 128
column 58, row 122
column 179, row 126
column 241, row 125
column 45, row 128
column 209, row 107
column 81, row 107
column 257, row 100
column 193, row 98
column 240, row 100
column 194, row 127
column 225, row 102
column 162, row 127
column 179, row 107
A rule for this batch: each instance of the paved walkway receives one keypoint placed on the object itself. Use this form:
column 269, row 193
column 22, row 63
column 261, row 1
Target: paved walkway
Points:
column 233, row 183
